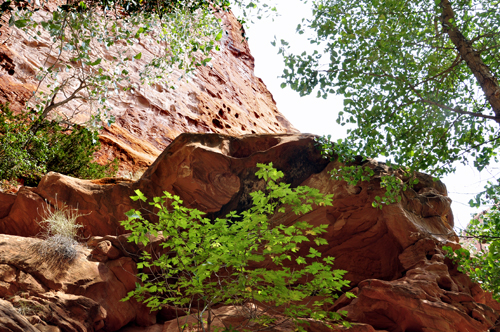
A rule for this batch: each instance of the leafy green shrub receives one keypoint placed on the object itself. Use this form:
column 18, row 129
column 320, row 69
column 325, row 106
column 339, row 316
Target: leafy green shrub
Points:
column 30, row 147
column 480, row 258
column 216, row 262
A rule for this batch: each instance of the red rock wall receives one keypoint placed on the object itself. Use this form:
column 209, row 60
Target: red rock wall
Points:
column 393, row 256
column 225, row 98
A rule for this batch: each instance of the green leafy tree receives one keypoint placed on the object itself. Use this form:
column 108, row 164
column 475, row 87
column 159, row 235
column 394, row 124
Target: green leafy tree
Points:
column 420, row 84
column 28, row 154
column 209, row 262
column 419, row 79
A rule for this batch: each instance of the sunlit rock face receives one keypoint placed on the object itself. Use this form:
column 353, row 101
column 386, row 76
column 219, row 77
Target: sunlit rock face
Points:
column 225, row 97
column 393, row 255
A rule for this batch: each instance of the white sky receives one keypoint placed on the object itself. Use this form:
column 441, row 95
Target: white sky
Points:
column 312, row 115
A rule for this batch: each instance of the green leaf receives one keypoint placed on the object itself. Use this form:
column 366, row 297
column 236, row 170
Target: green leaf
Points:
column 219, row 36
column 20, row 23
column 95, row 63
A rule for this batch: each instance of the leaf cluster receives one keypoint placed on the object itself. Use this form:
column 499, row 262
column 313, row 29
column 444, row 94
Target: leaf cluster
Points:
column 123, row 8
column 480, row 256
column 239, row 260
column 29, row 154
column 353, row 172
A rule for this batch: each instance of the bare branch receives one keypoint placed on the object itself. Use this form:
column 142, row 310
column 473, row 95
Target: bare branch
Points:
column 74, row 95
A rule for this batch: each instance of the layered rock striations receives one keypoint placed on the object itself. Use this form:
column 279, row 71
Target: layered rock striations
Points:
column 225, row 97
column 393, row 255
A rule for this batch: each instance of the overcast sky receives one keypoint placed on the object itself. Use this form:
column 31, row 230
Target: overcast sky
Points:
column 312, row 115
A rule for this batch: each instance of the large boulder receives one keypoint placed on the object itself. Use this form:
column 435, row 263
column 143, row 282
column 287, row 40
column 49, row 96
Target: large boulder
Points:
column 81, row 294
column 432, row 296
column 212, row 171
column 393, row 255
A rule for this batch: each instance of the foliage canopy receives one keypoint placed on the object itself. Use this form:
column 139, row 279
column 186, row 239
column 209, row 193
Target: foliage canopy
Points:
column 419, row 79
column 28, row 153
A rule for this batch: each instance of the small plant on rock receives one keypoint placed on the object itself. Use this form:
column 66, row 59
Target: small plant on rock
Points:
column 479, row 256
column 24, row 305
column 246, row 260
column 59, row 231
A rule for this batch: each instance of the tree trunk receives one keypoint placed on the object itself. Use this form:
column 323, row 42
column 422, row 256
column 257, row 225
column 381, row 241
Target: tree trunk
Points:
column 481, row 71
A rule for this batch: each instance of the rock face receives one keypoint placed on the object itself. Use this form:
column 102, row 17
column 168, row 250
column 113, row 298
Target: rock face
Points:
column 57, row 294
column 212, row 171
column 432, row 296
column 225, row 98
column 393, row 256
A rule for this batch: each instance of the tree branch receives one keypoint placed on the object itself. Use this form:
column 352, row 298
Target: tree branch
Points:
column 54, row 105
column 456, row 109
column 461, row 111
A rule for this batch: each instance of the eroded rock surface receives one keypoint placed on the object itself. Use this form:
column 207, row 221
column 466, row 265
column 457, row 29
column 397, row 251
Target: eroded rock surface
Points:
column 214, row 172
column 432, row 296
column 67, row 295
column 224, row 98
column 393, row 256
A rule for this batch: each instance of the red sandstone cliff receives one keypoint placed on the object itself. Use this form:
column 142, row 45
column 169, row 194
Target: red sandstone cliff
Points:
column 226, row 98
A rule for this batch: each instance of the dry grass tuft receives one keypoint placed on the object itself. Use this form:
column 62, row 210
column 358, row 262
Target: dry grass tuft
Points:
column 60, row 234
column 60, row 221
column 59, row 247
